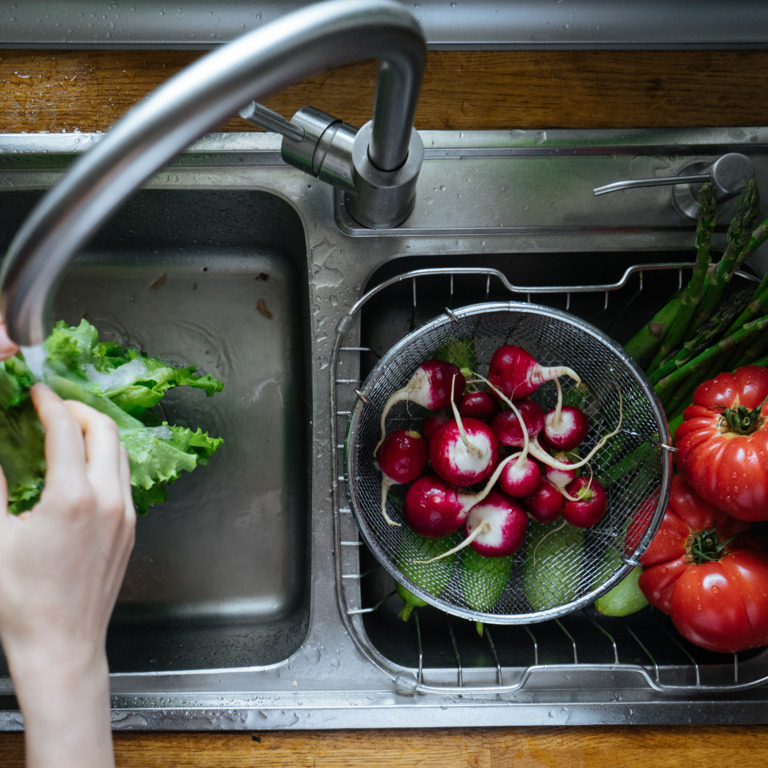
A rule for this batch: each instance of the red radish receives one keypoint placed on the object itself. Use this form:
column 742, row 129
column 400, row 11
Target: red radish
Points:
column 546, row 503
column 565, row 426
column 434, row 508
column 431, row 386
column 402, row 458
column 531, row 444
column 432, row 422
column 464, row 452
column 480, row 404
column 563, row 473
column 538, row 452
column 587, row 503
column 520, row 477
column 567, row 429
column 514, row 427
column 517, row 374
column 496, row 526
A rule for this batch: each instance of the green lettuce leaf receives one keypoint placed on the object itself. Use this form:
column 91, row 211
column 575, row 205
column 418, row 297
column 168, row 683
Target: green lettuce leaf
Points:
column 113, row 379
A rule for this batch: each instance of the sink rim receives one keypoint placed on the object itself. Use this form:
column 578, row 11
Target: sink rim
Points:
column 319, row 684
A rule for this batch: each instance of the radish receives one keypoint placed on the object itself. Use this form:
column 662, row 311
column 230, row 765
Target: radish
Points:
column 480, row 404
column 565, row 426
column 516, row 373
column 496, row 526
column 402, row 458
column 565, row 429
column 464, row 452
column 430, row 386
column 546, row 503
column 432, row 422
column 563, row 473
column 587, row 503
column 520, row 476
column 538, row 452
column 435, row 508
column 531, row 444
column 514, row 427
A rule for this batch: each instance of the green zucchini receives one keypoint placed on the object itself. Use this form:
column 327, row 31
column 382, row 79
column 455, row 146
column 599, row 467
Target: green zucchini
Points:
column 554, row 565
column 431, row 577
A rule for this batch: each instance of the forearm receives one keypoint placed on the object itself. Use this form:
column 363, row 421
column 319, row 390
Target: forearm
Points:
column 66, row 713
column 61, row 566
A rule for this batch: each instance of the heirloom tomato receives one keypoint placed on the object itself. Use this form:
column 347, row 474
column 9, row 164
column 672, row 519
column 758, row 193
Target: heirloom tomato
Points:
column 722, row 442
column 708, row 573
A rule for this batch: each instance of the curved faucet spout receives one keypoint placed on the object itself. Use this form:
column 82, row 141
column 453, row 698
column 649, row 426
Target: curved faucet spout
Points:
column 195, row 101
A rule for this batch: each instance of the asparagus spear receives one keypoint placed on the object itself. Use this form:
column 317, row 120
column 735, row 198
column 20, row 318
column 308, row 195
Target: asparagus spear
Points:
column 643, row 345
column 693, row 369
column 736, row 251
column 747, row 356
column 693, row 292
column 707, row 334
column 755, row 306
column 760, row 297
column 761, row 361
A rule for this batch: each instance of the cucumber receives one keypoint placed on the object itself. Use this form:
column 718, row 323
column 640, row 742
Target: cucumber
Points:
column 483, row 578
column 431, row 577
column 626, row 597
column 460, row 352
column 410, row 601
column 554, row 565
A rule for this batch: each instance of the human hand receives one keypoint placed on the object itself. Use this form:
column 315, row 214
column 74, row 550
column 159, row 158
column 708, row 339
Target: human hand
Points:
column 61, row 566
column 7, row 347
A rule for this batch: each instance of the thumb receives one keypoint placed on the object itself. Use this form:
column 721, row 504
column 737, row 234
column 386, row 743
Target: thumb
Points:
column 3, row 494
column 7, row 347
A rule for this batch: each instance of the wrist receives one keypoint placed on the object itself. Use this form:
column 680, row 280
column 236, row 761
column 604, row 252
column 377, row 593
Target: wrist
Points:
column 65, row 705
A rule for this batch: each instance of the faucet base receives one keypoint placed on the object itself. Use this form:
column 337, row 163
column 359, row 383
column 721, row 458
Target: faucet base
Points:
column 383, row 198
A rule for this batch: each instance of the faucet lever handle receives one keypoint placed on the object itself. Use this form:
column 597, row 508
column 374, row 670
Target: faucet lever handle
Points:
column 264, row 117
column 729, row 174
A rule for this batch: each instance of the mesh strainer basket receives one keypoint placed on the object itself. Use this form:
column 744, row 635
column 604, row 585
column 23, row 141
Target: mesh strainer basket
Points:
column 571, row 568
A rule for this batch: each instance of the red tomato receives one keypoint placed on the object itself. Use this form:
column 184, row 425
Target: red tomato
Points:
column 723, row 442
column 706, row 571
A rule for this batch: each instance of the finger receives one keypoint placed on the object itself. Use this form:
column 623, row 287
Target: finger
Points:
column 7, row 347
column 103, row 461
column 3, row 494
column 125, row 483
column 64, row 447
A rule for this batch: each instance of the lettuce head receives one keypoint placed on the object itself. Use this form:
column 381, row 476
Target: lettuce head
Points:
column 116, row 380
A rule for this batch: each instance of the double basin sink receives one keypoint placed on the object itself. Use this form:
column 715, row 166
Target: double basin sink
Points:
column 250, row 601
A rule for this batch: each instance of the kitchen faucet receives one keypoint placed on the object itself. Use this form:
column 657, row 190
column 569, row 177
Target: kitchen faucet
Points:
column 376, row 167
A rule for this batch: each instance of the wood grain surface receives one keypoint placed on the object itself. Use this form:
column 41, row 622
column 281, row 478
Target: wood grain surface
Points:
column 88, row 90
column 85, row 91
column 621, row 747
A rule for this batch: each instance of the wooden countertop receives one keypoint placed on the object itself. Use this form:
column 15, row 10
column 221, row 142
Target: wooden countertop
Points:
column 621, row 747
column 88, row 90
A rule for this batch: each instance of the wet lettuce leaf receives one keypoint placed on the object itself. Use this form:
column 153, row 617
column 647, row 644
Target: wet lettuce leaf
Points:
column 116, row 380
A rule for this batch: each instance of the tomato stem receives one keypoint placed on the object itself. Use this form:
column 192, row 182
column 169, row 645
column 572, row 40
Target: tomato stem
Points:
column 744, row 421
column 706, row 547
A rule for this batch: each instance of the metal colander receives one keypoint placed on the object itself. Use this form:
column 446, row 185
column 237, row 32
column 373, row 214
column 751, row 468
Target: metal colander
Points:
column 571, row 567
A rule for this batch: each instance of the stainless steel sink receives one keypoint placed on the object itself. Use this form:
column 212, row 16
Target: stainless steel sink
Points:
column 215, row 278
column 250, row 601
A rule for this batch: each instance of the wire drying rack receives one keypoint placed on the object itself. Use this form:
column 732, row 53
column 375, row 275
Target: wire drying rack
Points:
column 436, row 652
